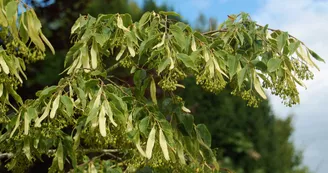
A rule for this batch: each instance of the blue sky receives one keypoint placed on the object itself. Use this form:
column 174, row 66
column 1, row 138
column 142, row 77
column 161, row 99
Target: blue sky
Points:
column 218, row 9
column 306, row 20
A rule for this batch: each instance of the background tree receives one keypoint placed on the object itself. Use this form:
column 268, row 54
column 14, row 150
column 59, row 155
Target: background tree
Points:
column 167, row 51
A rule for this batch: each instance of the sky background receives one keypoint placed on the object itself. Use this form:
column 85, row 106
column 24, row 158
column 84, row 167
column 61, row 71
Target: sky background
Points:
column 306, row 20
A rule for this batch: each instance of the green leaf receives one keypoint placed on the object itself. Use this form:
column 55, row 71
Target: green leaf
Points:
column 93, row 53
column 4, row 65
column 109, row 112
column 30, row 114
column 151, row 142
column 27, row 148
column 163, row 64
column 44, row 38
column 144, row 19
column 47, row 91
column 273, row 64
column 233, row 64
column 163, row 144
column 27, row 121
column 11, row 9
column 143, row 125
column 169, row 13
column 118, row 101
column 102, row 121
column 16, row 124
column 138, row 77
column 73, row 50
column 120, row 24
column 55, row 106
column 204, row 134
column 67, row 102
column 23, row 29
column 69, row 148
column 293, row 47
column 60, row 156
column 119, row 115
column 153, row 91
column 160, row 44
column 181, row 155
column 77, row 24
column 258, row 87
column 14, row 94
column 241, row 37
column 200, row 37
column 241, row 76
column 187, row 61
column 147, row 44
column 316, row 56
column 92, row 168
column 187, row 121
column 43, row 116
column 94, row 107
column 1, row 89
column 119, row 55
column 33, row 28
column 138, row 145
column 101, row 38
column 131, row 48
column 178, row 34
column 282, row 40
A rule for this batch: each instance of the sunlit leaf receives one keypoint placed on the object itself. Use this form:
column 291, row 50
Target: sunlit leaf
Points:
column 153, row 91
column 60, row 156
column 281, row 40
column 27, row 121
column 102, row 121
column 258, row 87
column 151, row 142
column 163, row 144
column 187, row 61
column 119, row 55
column 55, row 105
column 1, row 89
column 232, row 63
column 67, row 102
column 93, row 53
column 108, row 111
column 142, row 152
column 44, row 38
column 43, row 116
column 169, row 13
column 163, row 64
column 316, row 56
column 4, row 65
column 27, row 149
column 273, row 64
column 11, row 9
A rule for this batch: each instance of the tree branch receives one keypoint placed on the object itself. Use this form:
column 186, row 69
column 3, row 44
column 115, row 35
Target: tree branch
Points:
column 104, row 151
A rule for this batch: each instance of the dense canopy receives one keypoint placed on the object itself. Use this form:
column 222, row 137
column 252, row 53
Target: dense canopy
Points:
column 142, row 122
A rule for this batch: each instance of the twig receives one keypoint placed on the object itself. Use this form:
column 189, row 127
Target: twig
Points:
column 215, row 31
column 226, row 30
column 104, row 151
column 280, row 30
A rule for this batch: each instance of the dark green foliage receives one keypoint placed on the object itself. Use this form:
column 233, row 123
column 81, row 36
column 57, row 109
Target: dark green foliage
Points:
column 247, row 139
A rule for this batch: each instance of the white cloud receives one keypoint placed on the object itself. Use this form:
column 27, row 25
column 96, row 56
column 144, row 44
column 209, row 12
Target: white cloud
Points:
column 308, row 21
